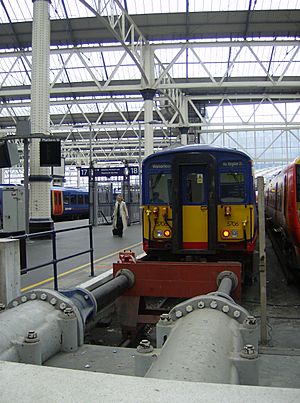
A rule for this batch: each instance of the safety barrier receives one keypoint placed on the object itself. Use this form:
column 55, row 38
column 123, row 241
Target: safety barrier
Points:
column 52, row 234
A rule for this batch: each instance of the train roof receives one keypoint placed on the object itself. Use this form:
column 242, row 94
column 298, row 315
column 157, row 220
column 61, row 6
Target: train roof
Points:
column 70, row 189
column 197, row 147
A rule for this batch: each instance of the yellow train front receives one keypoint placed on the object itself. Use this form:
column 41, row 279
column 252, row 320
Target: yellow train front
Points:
column 199, row 205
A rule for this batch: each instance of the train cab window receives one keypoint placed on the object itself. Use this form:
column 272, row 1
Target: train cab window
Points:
column 232, row 187
column 160, row 188
column 195, row 188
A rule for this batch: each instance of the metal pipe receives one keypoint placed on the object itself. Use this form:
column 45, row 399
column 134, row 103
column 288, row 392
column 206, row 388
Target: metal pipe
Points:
column 226, row 285
column 108, row 292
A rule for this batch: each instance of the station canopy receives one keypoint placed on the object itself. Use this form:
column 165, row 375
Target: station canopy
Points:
column 234, row 63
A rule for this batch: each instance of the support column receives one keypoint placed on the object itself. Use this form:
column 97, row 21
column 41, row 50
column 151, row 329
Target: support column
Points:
column 148, row 95
column 40, row 178
column 184, row 129
column 184, row 135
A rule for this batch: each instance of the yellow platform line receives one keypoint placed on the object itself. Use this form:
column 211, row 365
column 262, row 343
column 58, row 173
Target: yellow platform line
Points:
column 48, row 280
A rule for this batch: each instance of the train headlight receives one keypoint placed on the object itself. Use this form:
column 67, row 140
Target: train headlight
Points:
column 158, row 233
column 155, row 211
column 225, row 233
column 227, row 210
column 167, row 233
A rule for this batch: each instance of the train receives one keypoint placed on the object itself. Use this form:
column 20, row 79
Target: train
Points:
column 282, row 207
column 199, row 204
column 69, row 203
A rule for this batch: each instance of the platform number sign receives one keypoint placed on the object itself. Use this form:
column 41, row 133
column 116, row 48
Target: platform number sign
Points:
column 133, row 170
column 84, row 171
column 108, row 172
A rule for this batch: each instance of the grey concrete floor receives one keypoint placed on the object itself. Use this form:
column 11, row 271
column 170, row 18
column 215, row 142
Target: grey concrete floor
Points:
column 77, row 270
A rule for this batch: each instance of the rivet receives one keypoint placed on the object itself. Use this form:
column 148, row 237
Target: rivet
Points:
column 178, row 314
column 33, row 296
column 201, row 304
column 23, row 298
column 236, row 314
column 15, row 303
column 43, row 297
column 62, row 306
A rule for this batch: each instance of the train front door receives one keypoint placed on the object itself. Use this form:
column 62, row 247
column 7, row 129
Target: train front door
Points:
column 194, row 204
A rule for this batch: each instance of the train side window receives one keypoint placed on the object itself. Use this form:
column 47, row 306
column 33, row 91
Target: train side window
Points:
column 86, row 199
column 80, row 199
column 73, row 199
column 232, row 187
column 66, row 199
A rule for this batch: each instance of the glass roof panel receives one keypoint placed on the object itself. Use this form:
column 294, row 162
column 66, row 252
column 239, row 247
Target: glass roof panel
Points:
column 21, row 10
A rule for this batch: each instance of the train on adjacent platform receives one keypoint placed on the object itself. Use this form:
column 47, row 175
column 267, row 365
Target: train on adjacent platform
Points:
column 199, row 205
column 69, row 203
column 282, row 205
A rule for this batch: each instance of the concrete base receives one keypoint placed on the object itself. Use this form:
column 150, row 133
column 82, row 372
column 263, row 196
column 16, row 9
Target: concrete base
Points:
column 31, row 383
column 10, row 281
column 42, row 225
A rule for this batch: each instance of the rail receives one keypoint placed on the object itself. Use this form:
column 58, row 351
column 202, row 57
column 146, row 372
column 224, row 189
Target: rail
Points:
column 55, row 260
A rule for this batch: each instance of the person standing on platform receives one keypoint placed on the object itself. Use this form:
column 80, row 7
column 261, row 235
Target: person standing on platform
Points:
column 120, row 216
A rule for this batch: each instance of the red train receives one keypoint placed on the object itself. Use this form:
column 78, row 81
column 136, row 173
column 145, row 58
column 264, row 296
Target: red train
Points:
column 282, row 203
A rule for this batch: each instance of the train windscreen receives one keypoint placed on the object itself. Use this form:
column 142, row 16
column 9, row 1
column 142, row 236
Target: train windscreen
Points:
column 160, row 188
column 232, row 187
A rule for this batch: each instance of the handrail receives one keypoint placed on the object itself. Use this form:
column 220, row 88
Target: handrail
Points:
column 55, row 260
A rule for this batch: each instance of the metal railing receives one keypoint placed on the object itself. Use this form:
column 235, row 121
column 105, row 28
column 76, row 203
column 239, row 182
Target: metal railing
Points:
column 55, row 260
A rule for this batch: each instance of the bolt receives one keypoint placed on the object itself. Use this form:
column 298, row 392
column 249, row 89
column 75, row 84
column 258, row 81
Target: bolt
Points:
column 31, row 335
column 189, row 308
column 53, row 301
column 178, row 314
column 201, row 304
column 62, row 306
column 144, row 346
column 69, row 312
column 86, row 297
column 2, row 307
column 251, row 320
column 33, row 296
column 213, row 304
column 43, row 296
column 225, row 309
column 164, row 317
column 23, row 298
column 236, row 314
column 15, row 303
column 249, row 352
column 145, row 343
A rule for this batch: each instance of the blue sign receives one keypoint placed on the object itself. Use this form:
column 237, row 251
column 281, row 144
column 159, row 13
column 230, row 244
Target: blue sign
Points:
column 111, row 171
